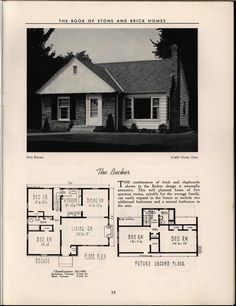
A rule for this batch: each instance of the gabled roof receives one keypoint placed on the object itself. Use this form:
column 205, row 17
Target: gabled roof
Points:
column 102, row 73
column 96, row 79
column 142, row 76
column 55, row 76
column 130, row 77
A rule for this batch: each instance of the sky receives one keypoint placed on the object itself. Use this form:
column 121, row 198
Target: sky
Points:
column 106, row 45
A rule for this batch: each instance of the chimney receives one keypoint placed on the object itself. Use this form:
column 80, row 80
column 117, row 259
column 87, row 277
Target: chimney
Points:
column 174, row 52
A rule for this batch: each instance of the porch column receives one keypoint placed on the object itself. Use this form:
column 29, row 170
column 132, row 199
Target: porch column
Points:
column 117, row 111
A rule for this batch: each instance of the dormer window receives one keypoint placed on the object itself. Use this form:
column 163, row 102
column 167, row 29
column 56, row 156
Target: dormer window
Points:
column 74, row 69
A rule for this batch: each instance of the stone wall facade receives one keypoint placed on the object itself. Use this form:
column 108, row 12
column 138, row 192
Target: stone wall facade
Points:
column 77, row 109
column 108, row 107
column 80, row 110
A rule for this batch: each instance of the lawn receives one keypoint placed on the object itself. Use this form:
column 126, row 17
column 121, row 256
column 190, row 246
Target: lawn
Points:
column 112, row 142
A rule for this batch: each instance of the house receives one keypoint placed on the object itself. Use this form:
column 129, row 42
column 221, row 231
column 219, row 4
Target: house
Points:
column 81, row 95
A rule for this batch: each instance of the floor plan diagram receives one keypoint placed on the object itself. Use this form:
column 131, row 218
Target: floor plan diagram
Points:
column 157, row 233
column 61, row 220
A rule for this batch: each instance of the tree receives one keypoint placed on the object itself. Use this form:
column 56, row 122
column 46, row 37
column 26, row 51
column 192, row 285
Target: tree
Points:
column 39, row 59
column 186, row 39
column 42, row 64
column 80, row 55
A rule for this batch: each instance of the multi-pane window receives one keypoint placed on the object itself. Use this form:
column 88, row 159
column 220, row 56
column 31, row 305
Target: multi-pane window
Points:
column 93, row 108
column 64, row 108
column 142, row 108
column 128, row 108
column 155, row 108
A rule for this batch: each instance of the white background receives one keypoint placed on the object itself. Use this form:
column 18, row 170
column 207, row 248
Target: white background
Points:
column 211, row 280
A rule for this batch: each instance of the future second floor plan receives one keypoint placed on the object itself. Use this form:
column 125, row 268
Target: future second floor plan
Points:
column 158, row 232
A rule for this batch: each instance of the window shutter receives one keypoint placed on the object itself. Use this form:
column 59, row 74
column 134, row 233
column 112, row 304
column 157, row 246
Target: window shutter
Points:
column 72, row 108
column 54, row 108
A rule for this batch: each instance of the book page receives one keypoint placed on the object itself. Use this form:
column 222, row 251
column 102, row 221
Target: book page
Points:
column 117, row 153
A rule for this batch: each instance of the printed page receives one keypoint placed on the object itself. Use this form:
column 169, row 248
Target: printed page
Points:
column 117, row 153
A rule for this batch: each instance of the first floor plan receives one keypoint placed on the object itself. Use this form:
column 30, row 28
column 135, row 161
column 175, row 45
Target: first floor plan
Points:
column 61, row 220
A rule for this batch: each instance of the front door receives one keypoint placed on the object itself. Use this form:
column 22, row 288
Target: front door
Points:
column 94, row 109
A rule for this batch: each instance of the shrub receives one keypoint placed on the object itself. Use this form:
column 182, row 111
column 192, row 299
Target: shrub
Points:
column 162, row 129
column 134, row 127
column 46, row 126
column 124, row 129
column 184, row 129
column 99, row 129
column 70, row 125
column 110, row 124
column 143, row 130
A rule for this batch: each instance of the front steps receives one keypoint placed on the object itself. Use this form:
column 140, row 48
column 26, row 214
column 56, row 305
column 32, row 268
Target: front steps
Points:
column 82, row 129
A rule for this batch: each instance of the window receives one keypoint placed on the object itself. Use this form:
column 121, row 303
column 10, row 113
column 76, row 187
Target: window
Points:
column 64, row 108
column 93, row 108
column 184, row 108
column 155, row 108
column 75, row 69
column 142, row 108
column 128, row 108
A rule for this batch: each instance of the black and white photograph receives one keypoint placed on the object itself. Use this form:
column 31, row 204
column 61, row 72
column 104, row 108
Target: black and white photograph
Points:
column 112, row 90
